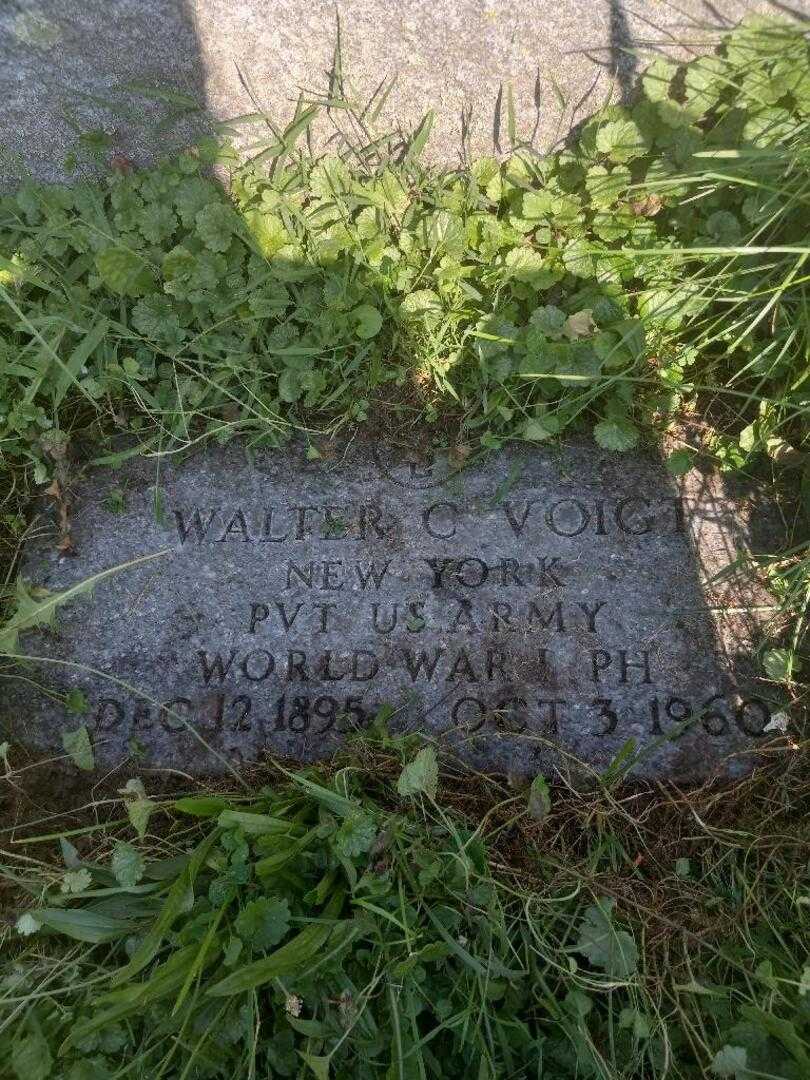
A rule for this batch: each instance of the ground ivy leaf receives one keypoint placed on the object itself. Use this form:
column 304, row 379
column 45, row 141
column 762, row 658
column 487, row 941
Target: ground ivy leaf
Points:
column 731, row 1061
column 680, row 462
column 123, row 271
column 76, row 881
column 268, row 231
column 536, row 429
column 127, row 864
column 606, row 947
column 539, row 805
column 657, row 79
column 420, row 776
column 530, row 267
column 139, row 811
column 484, row 170
column 263, row 923
column 621, row 140
column 578, row 259
column 31, row 1059
column 27, row 924
column 549, row 320
column 216, row 224
column 356, row 835
column 724, row 227
column 77, row 745
column 367, row 321
column 617, row 435
column 605, row 187
column 420, row 302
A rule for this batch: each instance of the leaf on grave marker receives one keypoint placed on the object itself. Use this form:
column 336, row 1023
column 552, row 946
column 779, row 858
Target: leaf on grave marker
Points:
column 420, row 776
column 76, row 702
column 539, row 805
column 619, row 434
column 780, row 664
column 139, row 806
column 36, row 29
column 37, row 607
column 419, row 138
column 680, row 462
column 77, row 745
column 139, row 811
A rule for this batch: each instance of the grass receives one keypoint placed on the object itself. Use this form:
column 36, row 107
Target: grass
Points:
column 376, row 918
column 370, row 921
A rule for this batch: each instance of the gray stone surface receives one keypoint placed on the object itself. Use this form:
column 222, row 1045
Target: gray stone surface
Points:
column 538, row 607
column 76, row 60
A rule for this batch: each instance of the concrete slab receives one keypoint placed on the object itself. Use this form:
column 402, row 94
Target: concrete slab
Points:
column 84, row 64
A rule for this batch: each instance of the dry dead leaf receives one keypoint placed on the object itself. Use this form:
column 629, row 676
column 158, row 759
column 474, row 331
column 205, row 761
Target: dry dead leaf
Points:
column 57, row 493
column 579, row 325
column 649, row 206
column 460, row 452
column 121, row 163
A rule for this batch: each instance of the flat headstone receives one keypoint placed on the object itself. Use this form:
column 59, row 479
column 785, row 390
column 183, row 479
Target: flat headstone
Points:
column 530, row 609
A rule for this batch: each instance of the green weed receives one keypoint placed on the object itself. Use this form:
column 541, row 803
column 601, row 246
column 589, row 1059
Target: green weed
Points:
column 515, row 296
column 383, row 920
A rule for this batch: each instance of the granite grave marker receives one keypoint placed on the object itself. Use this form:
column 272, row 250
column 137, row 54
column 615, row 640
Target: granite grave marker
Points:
column 530, row 609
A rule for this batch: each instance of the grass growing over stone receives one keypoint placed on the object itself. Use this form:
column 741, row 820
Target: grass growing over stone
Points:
column 364, row 921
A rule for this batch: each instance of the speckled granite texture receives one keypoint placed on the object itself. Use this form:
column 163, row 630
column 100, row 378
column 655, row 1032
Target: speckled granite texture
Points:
column 536, row 608
column 85, row 63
